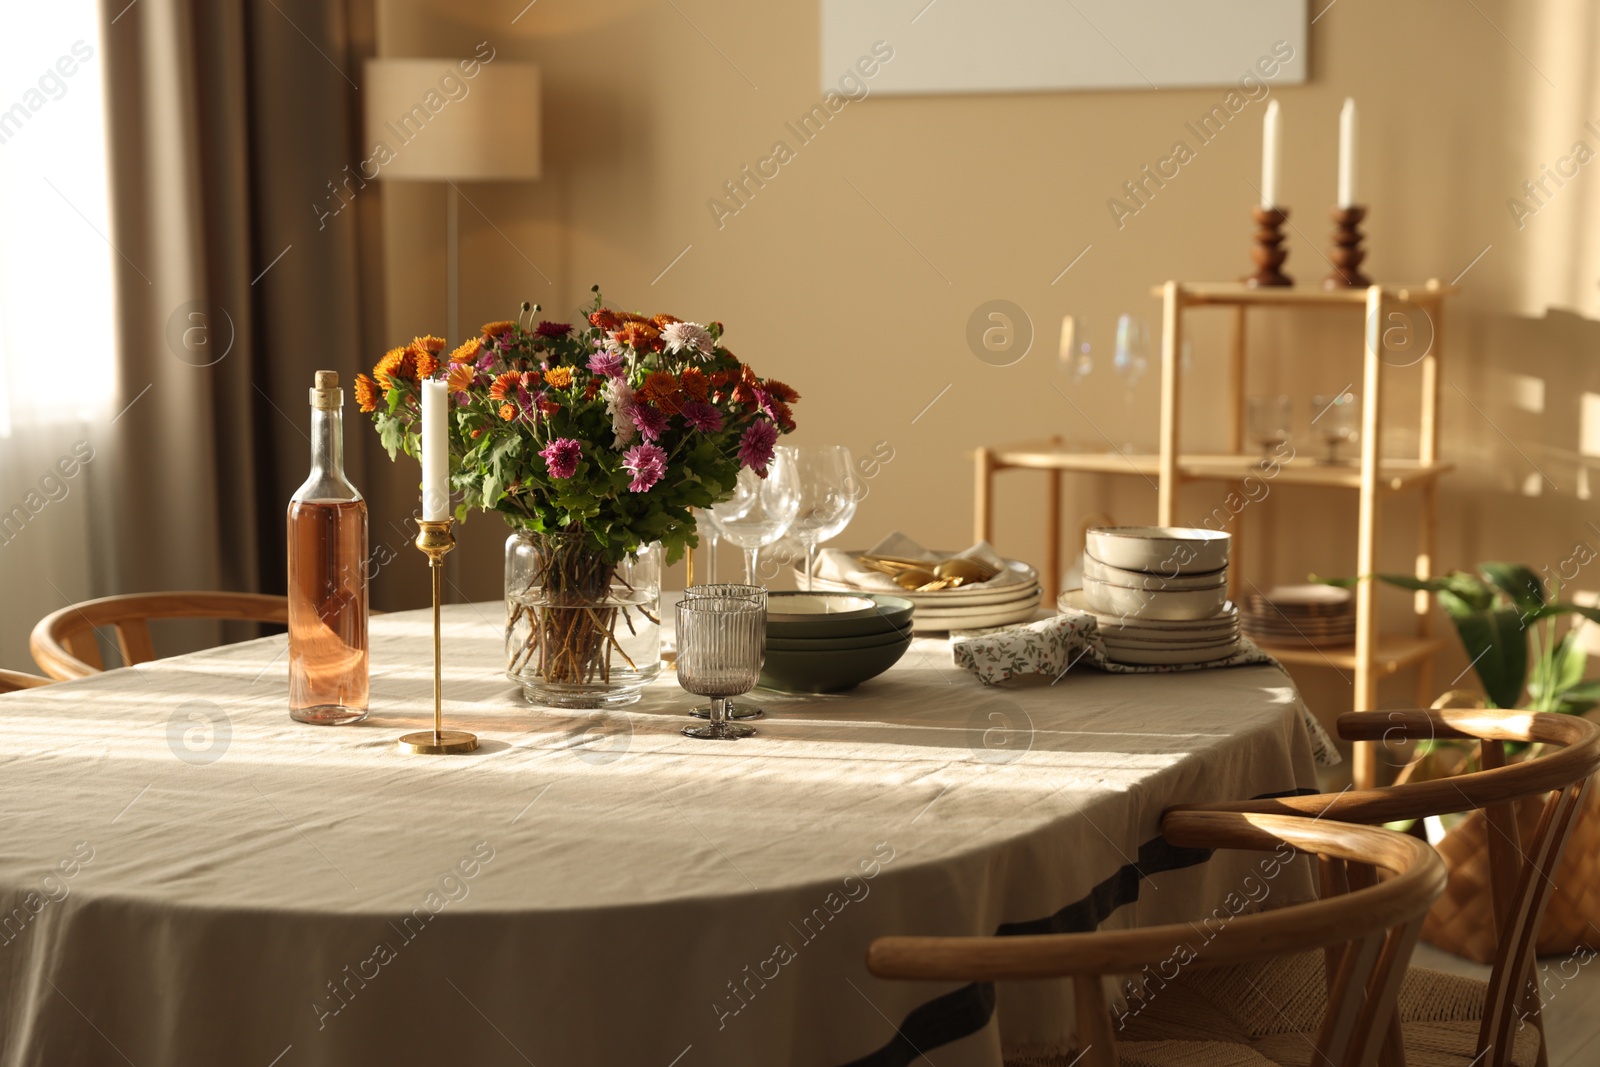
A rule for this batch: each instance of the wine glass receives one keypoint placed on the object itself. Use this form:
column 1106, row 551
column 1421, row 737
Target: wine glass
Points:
column 1131, row 360
column 827, row 497
column 761, row 510
column 705, row 522
column 755, row 594
column 722, row 644
column 1336, row 420
column 1077, row 350
column 1270, row 422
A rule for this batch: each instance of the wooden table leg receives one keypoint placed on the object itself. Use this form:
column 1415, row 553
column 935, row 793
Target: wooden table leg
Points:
column 983, row 497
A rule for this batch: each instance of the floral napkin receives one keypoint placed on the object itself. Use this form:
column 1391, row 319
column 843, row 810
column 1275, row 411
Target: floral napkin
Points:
column 836, row 565
column 1054, row 646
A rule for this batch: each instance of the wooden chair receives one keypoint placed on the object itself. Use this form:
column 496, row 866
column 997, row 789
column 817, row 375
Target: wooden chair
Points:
column 1377, row 925
column 64, row 644
column 1445, row 1020
column 11, row 681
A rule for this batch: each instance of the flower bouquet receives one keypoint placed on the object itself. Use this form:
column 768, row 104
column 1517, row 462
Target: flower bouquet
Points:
column 594, row 442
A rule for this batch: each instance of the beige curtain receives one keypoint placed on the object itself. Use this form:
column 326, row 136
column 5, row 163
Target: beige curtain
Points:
column 228, row 121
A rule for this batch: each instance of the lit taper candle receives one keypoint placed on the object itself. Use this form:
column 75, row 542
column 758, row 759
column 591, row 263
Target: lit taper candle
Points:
column 435, row 452
column 1347, row 154
column 1271, row 156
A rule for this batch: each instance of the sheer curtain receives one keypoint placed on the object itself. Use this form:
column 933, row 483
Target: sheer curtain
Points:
column 57, row 363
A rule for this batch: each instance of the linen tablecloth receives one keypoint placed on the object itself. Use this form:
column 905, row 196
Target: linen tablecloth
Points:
column 189, row 877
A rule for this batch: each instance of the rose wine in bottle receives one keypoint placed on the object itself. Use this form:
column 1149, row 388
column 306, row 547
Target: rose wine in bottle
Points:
column 327, row 576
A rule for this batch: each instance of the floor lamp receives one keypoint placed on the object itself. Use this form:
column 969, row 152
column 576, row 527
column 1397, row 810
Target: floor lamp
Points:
column 441, row 124
column 432, row 120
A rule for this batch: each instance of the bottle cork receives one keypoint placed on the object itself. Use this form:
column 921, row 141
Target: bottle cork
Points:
column 326, row 394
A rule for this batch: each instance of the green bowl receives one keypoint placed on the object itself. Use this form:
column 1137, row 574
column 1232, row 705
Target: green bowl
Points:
column 835, row 644
column 894, row 613
column 828, row 671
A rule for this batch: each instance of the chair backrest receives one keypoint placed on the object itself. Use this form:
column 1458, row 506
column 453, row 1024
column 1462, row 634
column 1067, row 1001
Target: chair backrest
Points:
column 11, row 681
column 64, row 644
column 1522, row 872
column 1376, row 923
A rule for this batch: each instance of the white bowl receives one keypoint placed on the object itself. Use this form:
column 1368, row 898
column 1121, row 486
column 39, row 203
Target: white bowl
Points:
column 1134, row 604
column 1104, row 572
column 816, row 605
column 1165, row 550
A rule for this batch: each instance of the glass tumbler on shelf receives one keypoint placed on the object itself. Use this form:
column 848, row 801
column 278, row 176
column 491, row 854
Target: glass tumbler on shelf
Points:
column 828, row 497
column 327, row 576
column 721, row 648
column 1270, row 420
column 756, row 595
column 1337, row 420
column 761, row 510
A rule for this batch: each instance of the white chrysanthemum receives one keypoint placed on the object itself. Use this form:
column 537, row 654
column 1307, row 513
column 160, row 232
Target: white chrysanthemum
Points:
column 689, row 335
column 619, row 405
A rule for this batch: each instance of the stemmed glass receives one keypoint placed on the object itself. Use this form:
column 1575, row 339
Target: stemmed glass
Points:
column 1131, row 359
column 827, row 497
column 722, row 644
column 755, row 594
column 710, row 532
column 1270, row 423
column 761, row 509
column 1077, row 350
column 1336, row 419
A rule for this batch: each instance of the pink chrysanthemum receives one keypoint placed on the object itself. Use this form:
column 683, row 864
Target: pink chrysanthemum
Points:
column 651, row 421
column 648, row 463
column 757, row 444
column 702, row 416
column 608, row 364
column 561, row 457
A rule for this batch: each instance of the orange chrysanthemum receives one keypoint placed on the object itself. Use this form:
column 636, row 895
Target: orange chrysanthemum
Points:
column 468, row 352
column 640, row 336
column 663, row 321
column 590, row 390
column 661, row 389
column 722, row 377
column 531, row 378
column 425, row 361
column 693, row 381
column 508, row 411
column 430, row 342
column 503, row 385
column 548, row 408
column 604, row 319
column 366, row 393
column 558, row 377
column 459, row 378
column 495, row 329
column 396, row 364
column 633, row 316
column 782, row 392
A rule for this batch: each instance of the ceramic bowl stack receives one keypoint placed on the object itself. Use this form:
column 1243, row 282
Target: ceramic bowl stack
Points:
column 1159, row 594
column 1313, row 616
column 1010, row 597
column 830, row 642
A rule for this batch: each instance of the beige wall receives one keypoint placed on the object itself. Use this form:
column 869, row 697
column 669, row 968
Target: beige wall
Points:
column 853, row 272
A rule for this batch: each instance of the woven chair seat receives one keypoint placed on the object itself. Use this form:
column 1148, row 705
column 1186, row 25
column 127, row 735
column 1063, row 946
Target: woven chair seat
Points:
column 1163, row 1054
column 1273, row 1010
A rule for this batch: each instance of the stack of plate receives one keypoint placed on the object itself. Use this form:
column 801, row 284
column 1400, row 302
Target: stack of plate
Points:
column 1159, row 594
column 1009, row 598
column 1313, row 616
column 830, row 642
column 1153, row 642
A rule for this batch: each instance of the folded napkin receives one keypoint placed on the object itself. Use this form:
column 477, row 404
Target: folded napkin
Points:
column 1054, row 646
column 836, row 565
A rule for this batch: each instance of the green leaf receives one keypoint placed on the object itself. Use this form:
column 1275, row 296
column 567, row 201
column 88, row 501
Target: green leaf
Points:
column 1516, row 581
column 1495, row 643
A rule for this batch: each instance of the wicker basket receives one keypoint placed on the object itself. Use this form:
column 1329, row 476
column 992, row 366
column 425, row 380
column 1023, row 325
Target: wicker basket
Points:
column 1461, row 920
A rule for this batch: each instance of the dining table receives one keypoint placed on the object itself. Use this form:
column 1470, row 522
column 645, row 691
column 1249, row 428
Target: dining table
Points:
column 187, row 876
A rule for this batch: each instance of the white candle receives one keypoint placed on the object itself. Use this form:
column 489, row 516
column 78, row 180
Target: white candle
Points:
column 435, row 452
column 1271, row 156
column 1347, row 154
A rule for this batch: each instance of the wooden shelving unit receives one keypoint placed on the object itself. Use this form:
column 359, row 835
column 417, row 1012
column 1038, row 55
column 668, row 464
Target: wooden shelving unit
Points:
column 1375, row 654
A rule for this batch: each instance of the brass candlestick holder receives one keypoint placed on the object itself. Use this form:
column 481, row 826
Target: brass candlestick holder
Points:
column 1269, row 253
column 1347, row 253
column 435, row 540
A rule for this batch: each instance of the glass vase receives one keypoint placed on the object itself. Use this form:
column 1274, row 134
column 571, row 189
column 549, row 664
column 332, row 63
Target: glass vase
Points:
column 580, row 632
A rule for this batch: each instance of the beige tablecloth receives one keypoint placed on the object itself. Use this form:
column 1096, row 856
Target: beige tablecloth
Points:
column 188, row 877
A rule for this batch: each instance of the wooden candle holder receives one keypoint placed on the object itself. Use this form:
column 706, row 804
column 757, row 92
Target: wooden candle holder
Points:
column 1269, row 252
column 1347, row 253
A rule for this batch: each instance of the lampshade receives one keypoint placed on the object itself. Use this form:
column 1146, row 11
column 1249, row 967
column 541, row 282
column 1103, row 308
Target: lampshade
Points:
column 439, row 124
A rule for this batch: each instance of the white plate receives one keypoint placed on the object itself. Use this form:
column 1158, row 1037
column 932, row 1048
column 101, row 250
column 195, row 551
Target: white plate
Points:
column 1169, row 657
column 1073, row 600
column 1104, row 572
column 1121, row 641
column 1314, row 595
column 1167, row 550
column 976, row 619
column 1137, row 604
